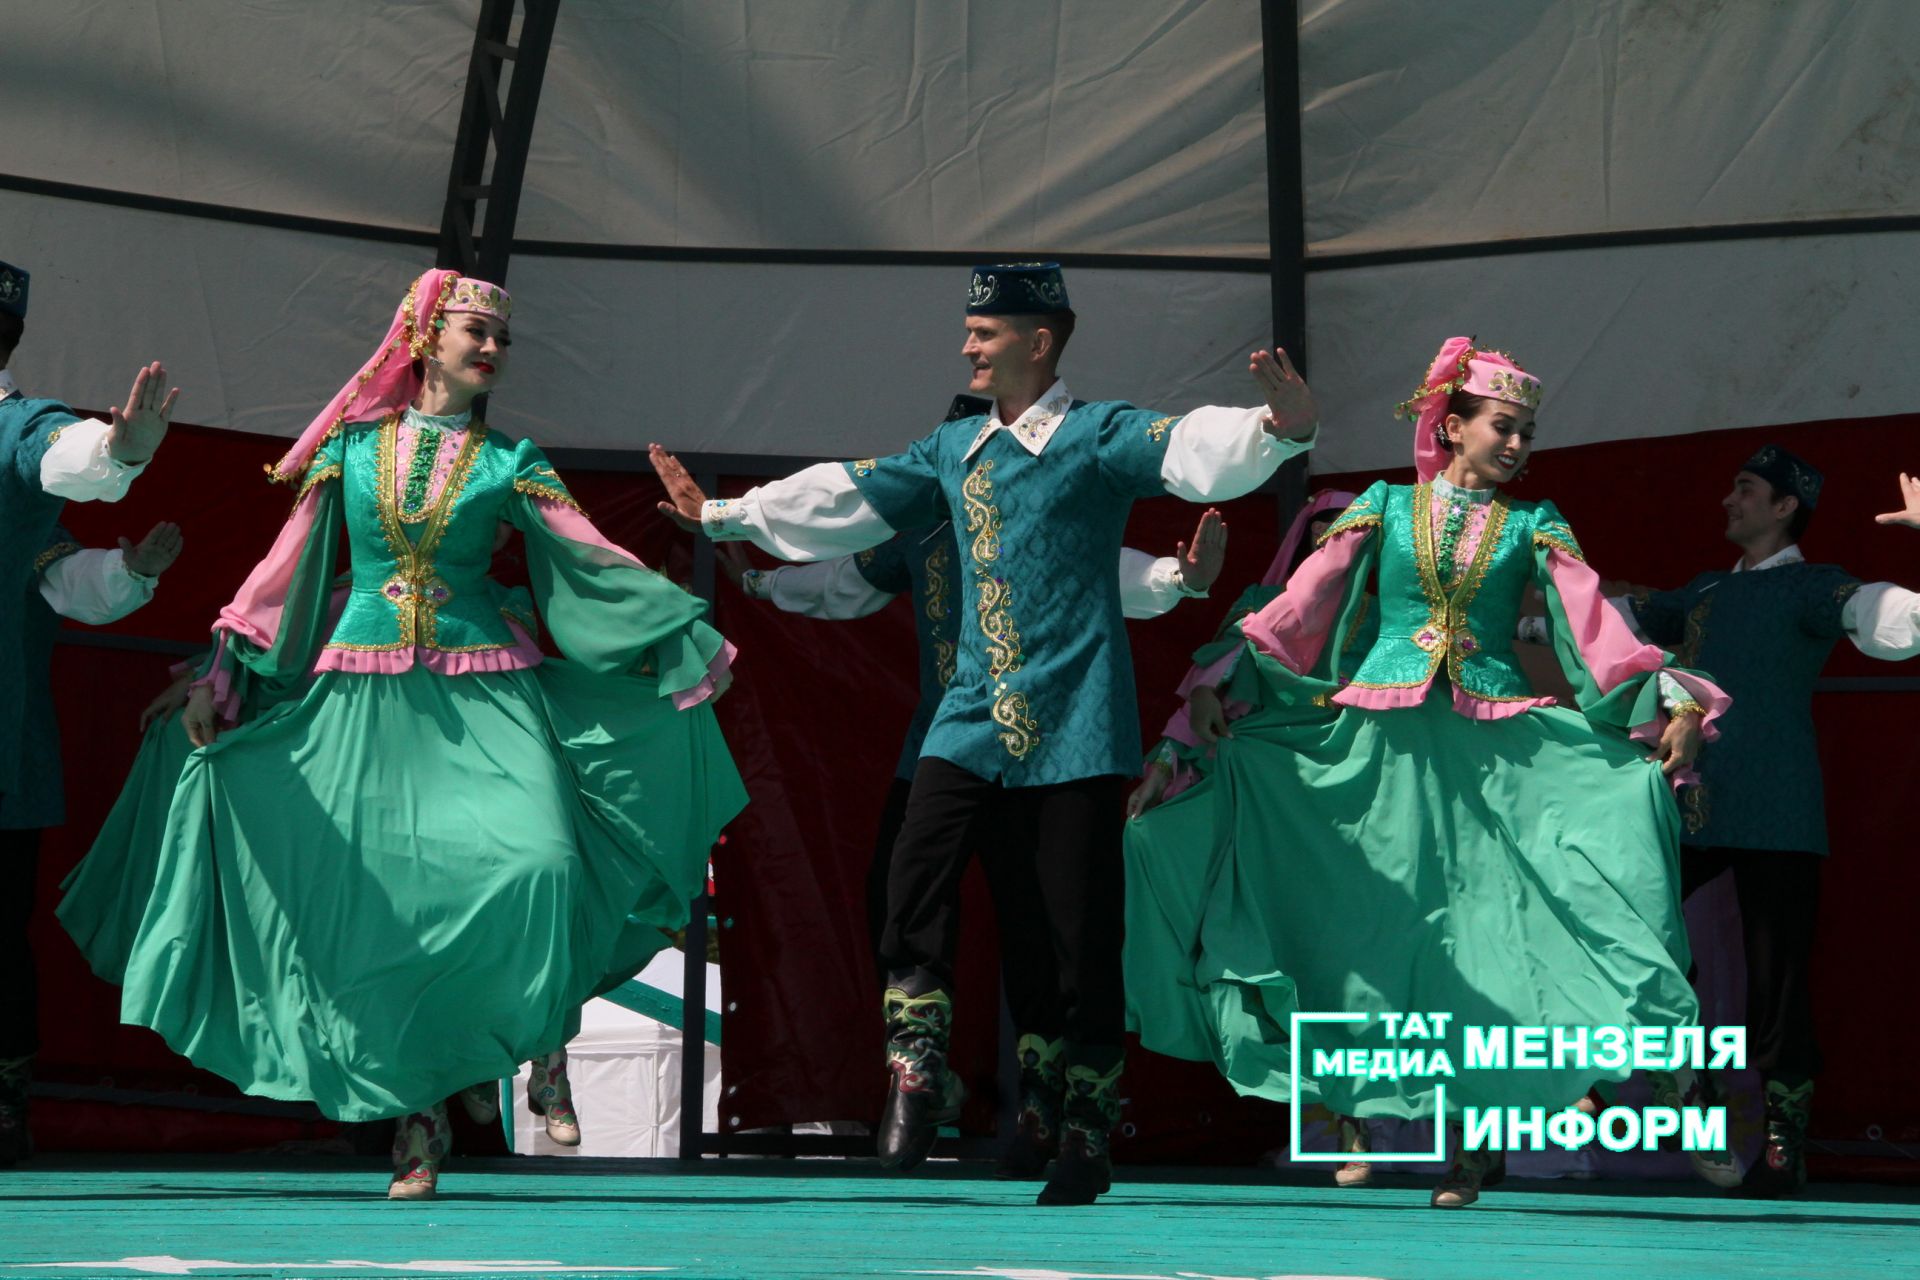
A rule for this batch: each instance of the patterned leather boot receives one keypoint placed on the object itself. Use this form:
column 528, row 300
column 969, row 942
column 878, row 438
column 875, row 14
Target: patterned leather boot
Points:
column 1043, row 1086
column 1690, row 1088
column 550, row 1094
column 1460, row 1186
column 481, row 1102
column 1354, row 1141
column 922, row 1094
column 1782, row 1167
column 16, row 1143
column 1084, row 1170
column 419, row 1145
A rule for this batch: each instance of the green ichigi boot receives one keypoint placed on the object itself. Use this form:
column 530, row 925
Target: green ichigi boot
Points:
column 1043, row 1088
column 1782, row 1167
column 1092, row 1109
column 1689, row 1088
column 16, row 1074
column 922, row 1094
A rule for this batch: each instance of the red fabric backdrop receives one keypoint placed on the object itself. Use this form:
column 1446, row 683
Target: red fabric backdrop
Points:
column 815, row 723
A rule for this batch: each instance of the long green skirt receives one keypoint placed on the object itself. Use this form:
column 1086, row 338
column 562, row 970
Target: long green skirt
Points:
column 400, row 885
column 1519, row 872
column 106, row 894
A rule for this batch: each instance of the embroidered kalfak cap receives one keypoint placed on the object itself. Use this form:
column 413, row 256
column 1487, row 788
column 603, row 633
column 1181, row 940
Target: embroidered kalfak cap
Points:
column 1017, row 289
column 1787, row 474
column 479, row 296
column 1461, row 366
column 13, row 291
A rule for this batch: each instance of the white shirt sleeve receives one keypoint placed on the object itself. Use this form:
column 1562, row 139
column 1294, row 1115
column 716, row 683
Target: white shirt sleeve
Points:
column 94, row 587
column 79, row 468
column 832, row 589
column 1217, row 453
column 1150, row 587
column 1883, row 621
column 814, row 514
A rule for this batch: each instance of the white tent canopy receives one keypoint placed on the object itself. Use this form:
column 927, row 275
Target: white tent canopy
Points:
column 826, row 148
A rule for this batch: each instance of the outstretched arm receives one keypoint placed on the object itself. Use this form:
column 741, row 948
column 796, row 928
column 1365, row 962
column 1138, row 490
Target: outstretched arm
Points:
column 1214, row 453
column 90, row 460
column 814, row 514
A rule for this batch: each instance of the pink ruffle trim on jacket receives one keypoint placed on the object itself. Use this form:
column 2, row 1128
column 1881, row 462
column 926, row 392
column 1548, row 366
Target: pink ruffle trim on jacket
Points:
column 1463, row 702
column 521, row 655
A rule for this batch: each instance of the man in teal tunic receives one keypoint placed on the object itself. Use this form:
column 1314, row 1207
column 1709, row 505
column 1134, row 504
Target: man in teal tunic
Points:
column 48, row 455
column 1038, row 733
column 919, row 564
column 1764, row 628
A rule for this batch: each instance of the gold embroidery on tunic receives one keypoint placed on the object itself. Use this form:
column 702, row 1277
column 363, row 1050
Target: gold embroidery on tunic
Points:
column 1696, row 809
column 1555, row 533
column 1696, row 633
column 1020, row 732
column 1157, row 429
column 1359, row 514
column 552, row 493
column 315, row 477
column 938, row 608
column 57, row 551
column 865, row 467
column 414, row 561
column 994, row 613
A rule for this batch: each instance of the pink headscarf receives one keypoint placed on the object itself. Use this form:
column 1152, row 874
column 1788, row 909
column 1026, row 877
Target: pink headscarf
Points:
column 388, row 382
column 1461, row 366
column 1335, row 500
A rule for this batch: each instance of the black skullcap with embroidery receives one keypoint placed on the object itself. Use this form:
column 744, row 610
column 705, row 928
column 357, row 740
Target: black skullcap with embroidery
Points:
column 1787, row 474
column 1017, row 289
column 13, row 291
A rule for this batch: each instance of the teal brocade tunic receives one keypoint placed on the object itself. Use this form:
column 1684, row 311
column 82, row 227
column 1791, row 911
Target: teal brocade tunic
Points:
column 1036, row 697
column 1765, row 635
column 918, row 564
column 28, row 516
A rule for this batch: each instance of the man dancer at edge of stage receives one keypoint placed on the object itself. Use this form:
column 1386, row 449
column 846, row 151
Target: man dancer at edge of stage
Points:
column 1765, row 628
column 1038, row 733
column 48, row 456
column 918, row 564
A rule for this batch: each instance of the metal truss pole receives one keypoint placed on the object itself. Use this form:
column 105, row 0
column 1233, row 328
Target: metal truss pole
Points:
column 496, row 126
column 1286, row 208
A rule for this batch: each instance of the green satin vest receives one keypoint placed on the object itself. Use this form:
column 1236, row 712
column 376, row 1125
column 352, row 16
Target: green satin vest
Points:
column 421, row 579
column 1468, row 626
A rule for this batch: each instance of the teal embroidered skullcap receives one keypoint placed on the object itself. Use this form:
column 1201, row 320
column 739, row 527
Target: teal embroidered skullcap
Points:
column 13, row 291
column 1017, row 289
column 1789, row 475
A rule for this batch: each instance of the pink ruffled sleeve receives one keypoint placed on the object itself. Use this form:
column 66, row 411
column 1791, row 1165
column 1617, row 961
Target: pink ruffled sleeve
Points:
column 258, row 608
column 1613, row 655
column 1293, row 628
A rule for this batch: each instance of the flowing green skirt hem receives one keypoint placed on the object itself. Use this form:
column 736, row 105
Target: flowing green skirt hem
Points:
column 402, row 885
column 1519, row 872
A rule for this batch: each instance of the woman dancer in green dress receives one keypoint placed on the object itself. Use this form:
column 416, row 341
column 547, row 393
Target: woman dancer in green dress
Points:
column 407, row 877
column 1449, row 842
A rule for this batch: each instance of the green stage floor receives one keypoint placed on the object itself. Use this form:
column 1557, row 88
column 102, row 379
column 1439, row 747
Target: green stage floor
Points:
column 71, row 1217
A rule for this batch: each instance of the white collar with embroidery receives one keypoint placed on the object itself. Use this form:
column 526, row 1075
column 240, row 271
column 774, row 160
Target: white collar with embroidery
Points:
column 8, row 387
column 1034, row 427
column 1787, row 555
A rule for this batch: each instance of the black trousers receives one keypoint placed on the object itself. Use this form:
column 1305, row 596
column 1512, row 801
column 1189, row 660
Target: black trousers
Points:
column 1053, row 864
column 1779, row 903
column 19, row 984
